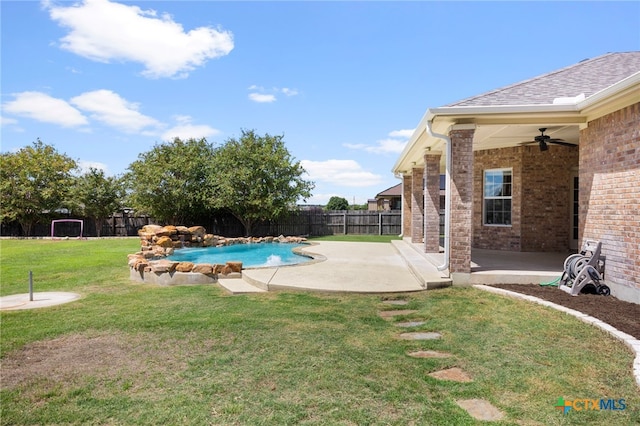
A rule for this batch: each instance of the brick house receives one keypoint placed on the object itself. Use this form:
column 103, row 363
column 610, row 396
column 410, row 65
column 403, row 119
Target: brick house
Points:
column 387, row 200
column 512, row 192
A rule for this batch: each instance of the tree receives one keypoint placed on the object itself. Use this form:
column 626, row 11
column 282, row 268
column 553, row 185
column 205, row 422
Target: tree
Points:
column 98, row 196
column 34, row 181
column 173, row 181
column 256, row 178
column 337, row 203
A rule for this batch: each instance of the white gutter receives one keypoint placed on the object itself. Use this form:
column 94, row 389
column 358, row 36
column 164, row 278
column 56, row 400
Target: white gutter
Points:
column 401, row 205
column 447, row 193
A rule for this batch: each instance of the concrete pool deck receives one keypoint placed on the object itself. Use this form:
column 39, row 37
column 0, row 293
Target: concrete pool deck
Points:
column 347, row 267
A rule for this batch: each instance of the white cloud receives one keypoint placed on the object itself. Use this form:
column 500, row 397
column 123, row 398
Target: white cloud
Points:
column 340, row 172
column 8, row 121
column 42, row 107
column 289, row 92
column 85, row 165
column 405, row 133
column 109, row 108
column 261, row 97
column 184, row 130
column 104, row 31
column 393, row 145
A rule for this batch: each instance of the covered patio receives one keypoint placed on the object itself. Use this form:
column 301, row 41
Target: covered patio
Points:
column 533, row 170
column 500, row 267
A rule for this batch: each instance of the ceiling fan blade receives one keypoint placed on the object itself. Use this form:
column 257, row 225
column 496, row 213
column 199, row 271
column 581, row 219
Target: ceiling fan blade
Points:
column 527, row 142
column 561, row 142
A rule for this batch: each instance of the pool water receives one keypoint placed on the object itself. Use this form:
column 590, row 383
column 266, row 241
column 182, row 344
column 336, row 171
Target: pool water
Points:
column 251, row 255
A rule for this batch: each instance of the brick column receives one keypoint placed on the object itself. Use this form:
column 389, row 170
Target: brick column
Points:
column 461, row 231
column 432, row 202
column 406, row 206
column 417, row 205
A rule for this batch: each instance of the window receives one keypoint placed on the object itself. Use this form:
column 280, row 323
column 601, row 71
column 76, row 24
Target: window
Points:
column 497, row 197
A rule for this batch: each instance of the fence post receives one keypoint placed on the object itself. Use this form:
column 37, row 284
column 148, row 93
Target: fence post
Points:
column 344, row 224
column 379, row 223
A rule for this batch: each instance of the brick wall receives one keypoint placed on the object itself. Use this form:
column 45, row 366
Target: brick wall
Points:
column 406, row 206
column 497, row 237
column 610, row 195
column 546, row 197
column 541, row 197
column 461, row 200
column 417, row 205
column 432, row 203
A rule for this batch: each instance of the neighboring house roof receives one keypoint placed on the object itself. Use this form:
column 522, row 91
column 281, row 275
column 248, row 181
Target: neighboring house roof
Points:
column 394, row 191
column 584, row 78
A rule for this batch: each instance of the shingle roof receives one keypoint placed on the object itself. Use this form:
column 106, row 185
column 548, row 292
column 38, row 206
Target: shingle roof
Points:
column 394, row 191
column 586, row 77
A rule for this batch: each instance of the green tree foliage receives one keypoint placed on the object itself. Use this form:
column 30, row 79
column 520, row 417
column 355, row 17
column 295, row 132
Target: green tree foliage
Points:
column 33, row 182
column 173, row 181
column 337, row 203
column 98, row 196
column 256, row 178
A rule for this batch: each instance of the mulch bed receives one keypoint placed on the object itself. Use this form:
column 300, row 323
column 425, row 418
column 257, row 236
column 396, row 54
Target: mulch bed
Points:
column 624, row 316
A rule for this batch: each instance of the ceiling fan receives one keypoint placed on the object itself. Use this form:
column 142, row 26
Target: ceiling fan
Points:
column 543, row 140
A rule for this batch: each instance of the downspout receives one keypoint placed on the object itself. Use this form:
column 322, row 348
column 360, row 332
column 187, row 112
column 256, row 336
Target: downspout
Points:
column 447, row 193
column 401, row 205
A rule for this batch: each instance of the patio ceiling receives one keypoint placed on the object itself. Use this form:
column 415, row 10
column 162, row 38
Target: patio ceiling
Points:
column 490, row 133
column 502, row 136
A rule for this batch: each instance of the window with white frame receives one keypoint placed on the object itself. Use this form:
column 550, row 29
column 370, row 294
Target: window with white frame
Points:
column 497, row 197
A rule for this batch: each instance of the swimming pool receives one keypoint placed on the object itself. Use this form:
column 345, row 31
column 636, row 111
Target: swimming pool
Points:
column 251, row 255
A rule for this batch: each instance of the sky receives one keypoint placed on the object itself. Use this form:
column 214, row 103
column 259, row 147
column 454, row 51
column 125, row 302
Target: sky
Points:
column 346, row 83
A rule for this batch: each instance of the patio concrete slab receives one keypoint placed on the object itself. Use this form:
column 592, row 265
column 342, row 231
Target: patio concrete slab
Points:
column 421, row 266
column 238, row 286
column 40, row 300
column 347, row 267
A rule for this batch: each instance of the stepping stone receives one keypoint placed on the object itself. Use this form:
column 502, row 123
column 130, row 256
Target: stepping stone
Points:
column 391, row 314
column 429, row 354
column 431, row 335
column 453, row 374
column 480, row 409
column 395, row 302
column 410, row 323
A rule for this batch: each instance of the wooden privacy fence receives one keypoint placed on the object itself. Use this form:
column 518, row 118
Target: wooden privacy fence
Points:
column 302, row 222
column 322, row 222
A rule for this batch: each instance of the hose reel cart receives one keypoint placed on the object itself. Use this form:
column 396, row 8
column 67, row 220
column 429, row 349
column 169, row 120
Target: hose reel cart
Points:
column 584, row 271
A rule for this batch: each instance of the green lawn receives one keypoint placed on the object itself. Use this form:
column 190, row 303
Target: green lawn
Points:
column 140, row 354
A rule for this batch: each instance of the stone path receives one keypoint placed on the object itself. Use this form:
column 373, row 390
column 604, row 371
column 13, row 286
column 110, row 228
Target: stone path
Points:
column 454, row 374
column 410, row 324
column 479, row 409
column 429, row 354
column 421, row 335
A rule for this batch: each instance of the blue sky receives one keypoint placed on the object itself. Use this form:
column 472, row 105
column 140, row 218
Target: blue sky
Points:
column 345, row 82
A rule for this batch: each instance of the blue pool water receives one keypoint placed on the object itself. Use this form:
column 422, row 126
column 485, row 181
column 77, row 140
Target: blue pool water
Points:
column 251, row 255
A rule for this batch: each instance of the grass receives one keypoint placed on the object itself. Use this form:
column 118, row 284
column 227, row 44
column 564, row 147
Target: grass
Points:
column 139, row 354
